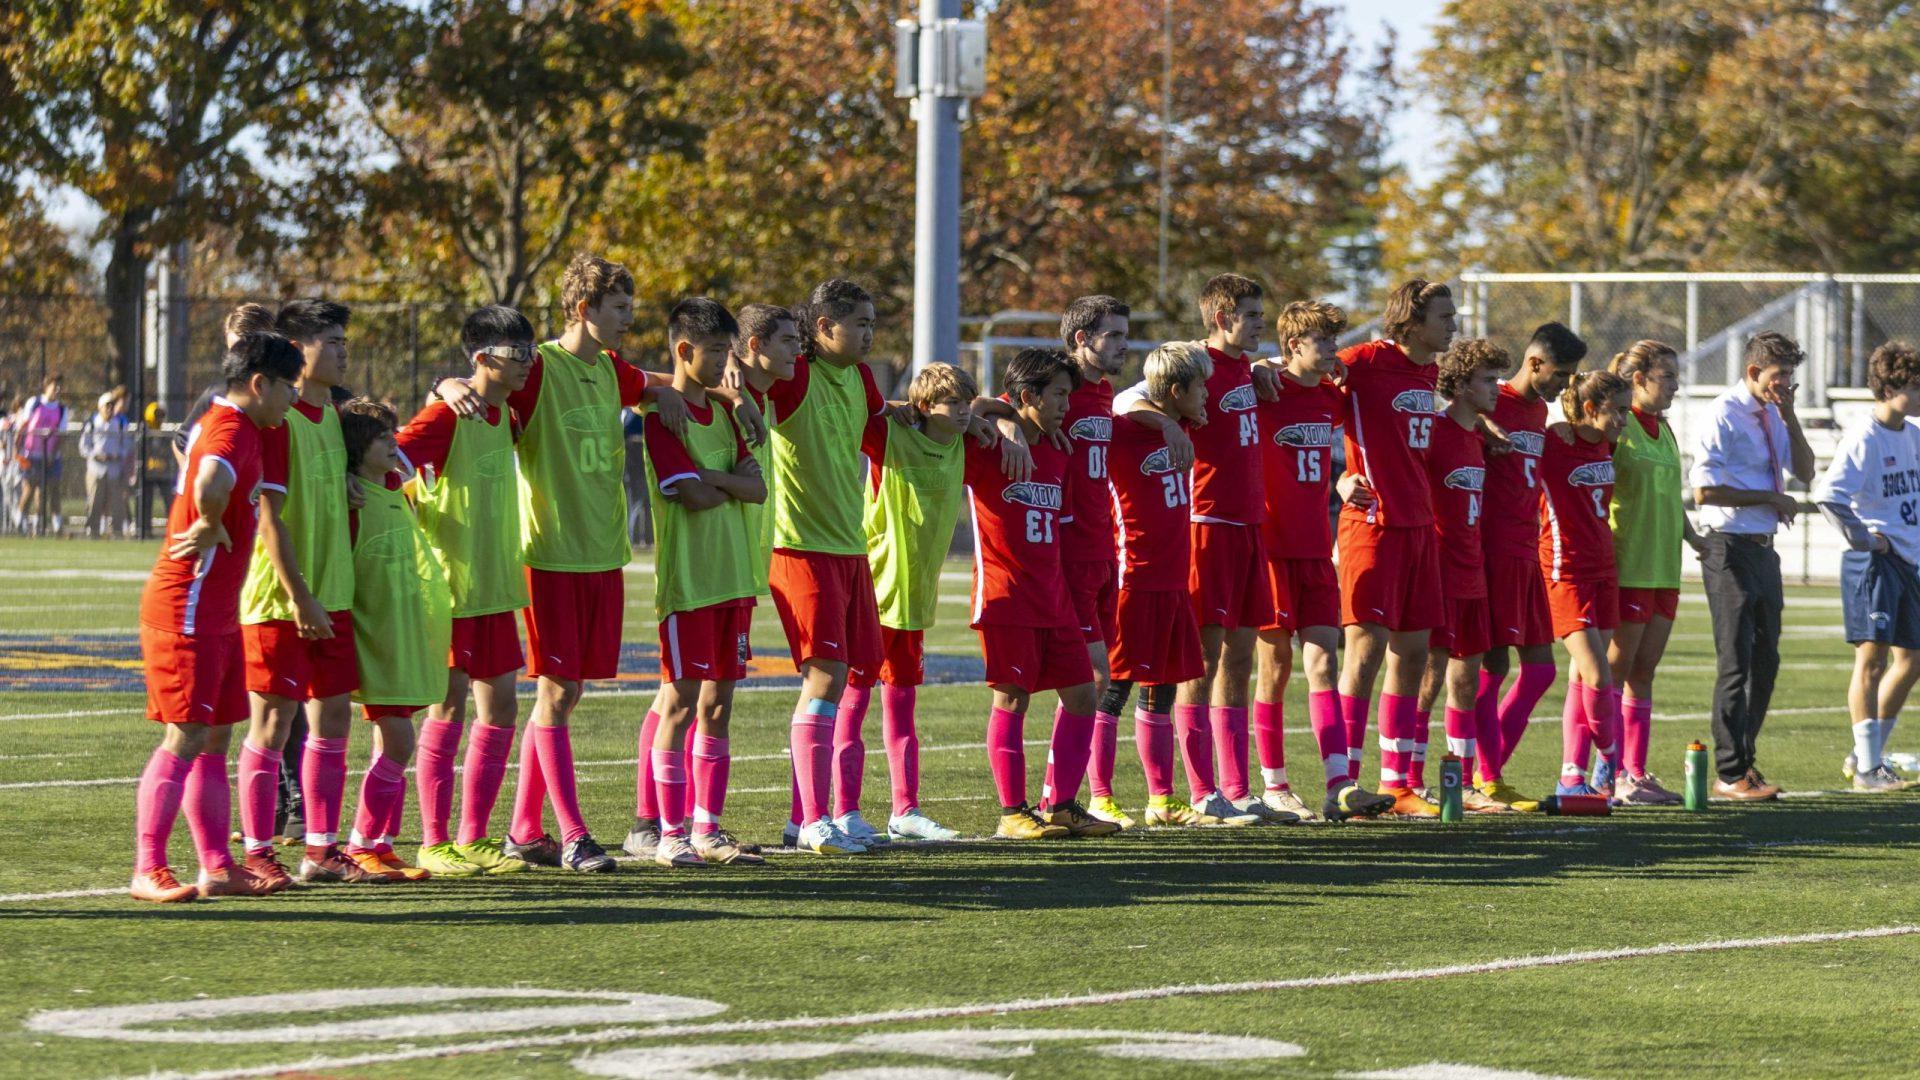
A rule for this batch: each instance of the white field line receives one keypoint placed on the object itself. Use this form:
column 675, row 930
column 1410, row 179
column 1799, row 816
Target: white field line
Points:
column 72, row 572
column 1026, row 1005
column 68, row 715
column 69, row 894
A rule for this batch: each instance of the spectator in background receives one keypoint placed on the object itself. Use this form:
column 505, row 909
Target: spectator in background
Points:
column 10, row 478
column 639, row 509
column 157, row 448
column 107, row 443
column 40, row 422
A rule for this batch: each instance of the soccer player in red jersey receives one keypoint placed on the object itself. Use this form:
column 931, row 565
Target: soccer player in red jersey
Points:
column 190, row 628
column 1029, row 635
column 1510, row 530
column 1576, row 555
column 1469, row 380
column 1390, row 593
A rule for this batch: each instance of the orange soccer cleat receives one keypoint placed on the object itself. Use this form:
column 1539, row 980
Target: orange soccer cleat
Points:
column 159, row 886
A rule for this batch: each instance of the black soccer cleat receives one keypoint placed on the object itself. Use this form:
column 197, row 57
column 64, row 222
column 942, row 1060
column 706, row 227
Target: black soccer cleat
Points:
column 1354, row 801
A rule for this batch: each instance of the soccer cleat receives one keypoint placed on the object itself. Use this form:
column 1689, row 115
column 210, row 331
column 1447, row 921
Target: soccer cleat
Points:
column 397, row 865
column 234, row 880
column 821, row 838
column 1474, row 802
column 264, row 865
column 1262, row 813
column 1074, row 818
column 544, row 851
column 790, row 835
column 1023, row 823
column 1223, row 812
column 1107, row 808
column 1165, row 810
column 721, row 848
column 1284, row 801
column 371, row 862
column 1352, row 801
column 490, row 856
column 1879, row 778
column 332, row 864
column 1507, row 795
column 1409, row 803
column 643, row 839
column 445, row 860
column 1642, row 791
column 587, row 857
column 158, row 886
column 1604, row 777
column 1576, row 786
column 914, row 825
column 675, row 850
column 855, row 826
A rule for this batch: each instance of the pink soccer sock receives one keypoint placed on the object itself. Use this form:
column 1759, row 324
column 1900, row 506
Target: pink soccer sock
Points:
column 670, row 782
column 385, row 784
column 530, row 794
column 1603, row 722
column 396, row 812
column 1575, row 737
column 811, row 743
column 1329, row 736
column 1196, row 748
column 207, row 799
column 903, row 745
column 1353, row 717
column 487, row 748
column 259, row 793
column 1516, row 708
column 1067, row 753
column 1636, row 731
column 1106, row 743
column 156, row 804
column 1486, row 728
column 1417, row 763
column 1007, row 756
column 1461, row 740
column 556, row 768
column 1153, row 738
column 323, row 784
column 712, row 761
column 1229, row 725
column 1269, row 730
column 645, row 804
column 1396, row 739
column 849, row 749
column 433, row 766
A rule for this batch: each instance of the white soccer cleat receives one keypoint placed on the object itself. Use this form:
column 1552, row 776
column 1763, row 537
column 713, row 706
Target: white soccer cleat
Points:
column 1265, row 814
column 1218, row 808
column 914, row 825
column 855, row 826
column 821, row 838
column 1285, row 801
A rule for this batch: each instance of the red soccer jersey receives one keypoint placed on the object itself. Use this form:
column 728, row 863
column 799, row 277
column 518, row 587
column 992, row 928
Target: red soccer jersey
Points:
column 1090, row 421
column 1149, row 501
column 1576, row 543
column 1017, row 525
column 1226, row 451
column 1390, row 418
column 1457, row 467
column 1297, row 453
column 1510, row 521
column 202, row 596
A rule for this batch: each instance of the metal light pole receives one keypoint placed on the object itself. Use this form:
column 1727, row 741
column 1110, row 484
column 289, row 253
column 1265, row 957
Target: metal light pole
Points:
column 941, row 64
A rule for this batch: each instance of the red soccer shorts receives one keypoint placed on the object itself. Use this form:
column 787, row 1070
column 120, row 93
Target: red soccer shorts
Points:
column 1094, row 587
column 903, row 660
column 573, row 623
column 1583, row 605
column 1465, row 632
column 1306, row 592
column 194, row 680
column 1228, row 580
column 1157, row 643
column 1517, row 603
column 283, row 664
column 1639, row 606
column 371, row 713
column 1035, row 658
column 826, row 607
column 486, row 646
column 1390, row 576
column 709, row 644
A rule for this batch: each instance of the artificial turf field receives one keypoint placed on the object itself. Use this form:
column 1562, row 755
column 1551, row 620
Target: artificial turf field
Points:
column 1774, row 940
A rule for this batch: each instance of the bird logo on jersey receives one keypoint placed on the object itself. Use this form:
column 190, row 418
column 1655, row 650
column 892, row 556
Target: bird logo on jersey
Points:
column 1413, row 401
column 1238, row 399
column 1466, row 478
column 1028, row 493
column 1093, row 428
column 1304, row 436
column 1592, row 474
column 1160, row 461
column 1530, row 443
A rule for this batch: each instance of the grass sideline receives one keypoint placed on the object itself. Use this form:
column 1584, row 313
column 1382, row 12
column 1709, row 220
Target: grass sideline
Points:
column 1221, row 933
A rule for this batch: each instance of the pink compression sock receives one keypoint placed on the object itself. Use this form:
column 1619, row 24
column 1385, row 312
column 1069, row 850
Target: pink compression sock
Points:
column 1603, row 722
column 433, row 767
column 1486, row 728
column 259, row 794
column 1106, row 743
column 385, row 784
column 156, row 804
column 645, row 803
column 849, row 750
column 1575, row 737
column 811, row 742
column 1270, row 735
column 556, row 768
column 1417, row 764
column 1636, row 731
column 1067, row 753
column 1353, row 716
column 323, row 784
column 1329, row 736
column 712, row 761
column 1196, row 748
column 1007, row 756
column 1396, row 739
column 1461, row 740
column 530, row 794
column 207, row 799
column 487, row 748
column 903, row 745
column 670, row 781
column 1229, row 725
column 1516, row 708
column 1153, row 738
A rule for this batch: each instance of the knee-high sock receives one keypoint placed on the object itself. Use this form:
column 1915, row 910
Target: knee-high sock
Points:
column 259, row 788
column 156, row 803
column 1636, row 731
column 1329, row 736
column 1461, row 740
column 384, row 783
column 1007, row 756
column 433, row 769
column 645, row 803
column 556, row 769
column 487, row 748
column 1353, row 716
column 1153, row 738
column 396, row 814
column 1396, row 739
column 1067, row 754
column 1486, row 730
column 849, row 749
column 1196, row 748
column 903, row 745
column 1516, row 709
column 529, row 794
column 1603, row 722
column 207, row 799
column 1422, row 730
column 712, row 761
column 1229, row 725
column 1106, row 743
column 323, row 783
column 670, row 782
column 1270, row 733
column 1575, row 737
column 810, row 741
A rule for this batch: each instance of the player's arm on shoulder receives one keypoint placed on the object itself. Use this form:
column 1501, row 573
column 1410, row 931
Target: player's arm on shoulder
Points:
column 745, row 413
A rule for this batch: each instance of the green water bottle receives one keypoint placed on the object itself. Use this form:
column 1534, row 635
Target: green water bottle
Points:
column 1450, row 808
column 1697, row 773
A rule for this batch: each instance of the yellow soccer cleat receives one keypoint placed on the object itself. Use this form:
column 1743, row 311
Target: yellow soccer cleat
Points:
column 1504, row 793
column 1074, row 818
column 1024, row 823
column 1165, row 810
column 1107, row 808
column 490, row 855
column 444, row 859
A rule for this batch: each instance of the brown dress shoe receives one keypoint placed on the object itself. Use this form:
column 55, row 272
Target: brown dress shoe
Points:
column 1768, row 791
